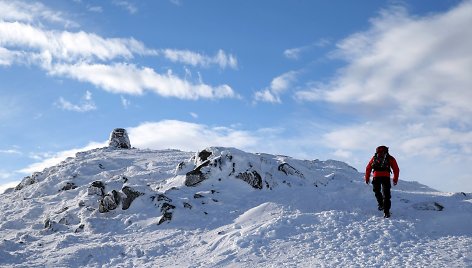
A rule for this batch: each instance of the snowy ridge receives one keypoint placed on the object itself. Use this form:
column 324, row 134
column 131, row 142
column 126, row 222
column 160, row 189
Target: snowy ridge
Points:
column 224, row 207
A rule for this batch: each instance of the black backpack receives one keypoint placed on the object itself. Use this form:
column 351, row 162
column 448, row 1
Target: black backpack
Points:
column 381, row 163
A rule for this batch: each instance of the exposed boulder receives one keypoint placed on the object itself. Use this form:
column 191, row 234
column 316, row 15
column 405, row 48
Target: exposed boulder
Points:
column 68, row 186
column 196, row 176
column 114, row 198
column 28, row 180
column 203, row 155
column 289, row 170
column 252, row 178
column 166, row 210
column 130, row 196
column 109, row 202
column 119, row 139
column 96, row 188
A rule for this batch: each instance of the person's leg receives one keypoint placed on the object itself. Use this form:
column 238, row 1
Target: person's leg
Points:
column 386, row 196
column 377, row 186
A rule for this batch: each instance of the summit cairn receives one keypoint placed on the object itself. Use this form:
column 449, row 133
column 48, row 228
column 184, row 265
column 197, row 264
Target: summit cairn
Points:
column 119, row 139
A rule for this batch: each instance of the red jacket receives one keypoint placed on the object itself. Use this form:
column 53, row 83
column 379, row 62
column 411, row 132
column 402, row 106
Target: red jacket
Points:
column 393, row 166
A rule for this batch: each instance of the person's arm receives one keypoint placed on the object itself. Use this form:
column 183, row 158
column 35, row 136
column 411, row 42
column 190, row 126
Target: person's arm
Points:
column 396, row 170
column 368, row 170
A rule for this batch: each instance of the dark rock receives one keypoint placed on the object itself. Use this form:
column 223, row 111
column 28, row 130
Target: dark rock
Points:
column 203, row 155
column 167, row 216
column 116, row 196
column 62, row 210
column 80, row 228
column 196, row 176
column 119, row 139
column 50, row 225
column 96, row 188
column 130, row 196
column 107, row 203
column 166, row 207
column 289, row 170
column 166, row 213
column 187, row 205
column 252, row 178
column 28, row 180
column 68, row 186
column 162, row 197
column 197, row 196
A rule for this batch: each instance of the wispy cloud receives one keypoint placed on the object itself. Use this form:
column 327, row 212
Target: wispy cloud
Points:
column 33, row 13
column 176, row 2
column 97, row 9
column 127, row 5
column 7, row 185
column 86, row 104
column 66, row 46
column 130, row 79
column 295, row 53
column 407, row 76
column 103, row 62
column 277, row 87
column 125, row 102
column 407, row 62
column 221, row 59
column 50, row 159
column 10, row 151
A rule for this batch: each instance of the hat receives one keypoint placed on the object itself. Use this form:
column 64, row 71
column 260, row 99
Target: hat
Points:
column 382, row 149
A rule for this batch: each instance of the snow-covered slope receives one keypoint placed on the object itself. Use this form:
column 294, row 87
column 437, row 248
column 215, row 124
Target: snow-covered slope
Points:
column 223, row 207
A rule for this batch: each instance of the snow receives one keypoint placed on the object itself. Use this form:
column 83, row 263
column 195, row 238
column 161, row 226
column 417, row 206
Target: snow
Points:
column 306, row 213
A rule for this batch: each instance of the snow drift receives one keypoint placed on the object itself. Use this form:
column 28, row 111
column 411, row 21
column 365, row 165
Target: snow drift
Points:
column 224, row 207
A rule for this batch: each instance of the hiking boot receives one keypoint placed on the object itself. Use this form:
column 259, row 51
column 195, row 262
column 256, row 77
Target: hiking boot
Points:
column 381, row 207
column 387, row 214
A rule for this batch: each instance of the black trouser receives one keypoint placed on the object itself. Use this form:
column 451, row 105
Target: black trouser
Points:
column 382, row 192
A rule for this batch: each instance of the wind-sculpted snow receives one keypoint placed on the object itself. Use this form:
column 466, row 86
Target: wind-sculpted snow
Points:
column 224, row 207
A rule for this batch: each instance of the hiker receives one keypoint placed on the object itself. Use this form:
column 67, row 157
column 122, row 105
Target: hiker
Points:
column 382, row 164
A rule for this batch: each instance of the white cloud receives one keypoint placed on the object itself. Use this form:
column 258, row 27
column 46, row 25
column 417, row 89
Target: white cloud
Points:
column 97, row 9
column 85, row 105
column 51, row 159
column 127, row 5
column 176, row 2
column 8, row 185
column 221, row 59
column 125, row 102
column 130, row 79
column 32, row 13
column 7, row 57
column 67, row 46
column 188, row 136
column 278, row 86
column 91, row 58
column 413, row 64
column 295, row 53
column 406, row 71
column 11, row 151
column 194, row 115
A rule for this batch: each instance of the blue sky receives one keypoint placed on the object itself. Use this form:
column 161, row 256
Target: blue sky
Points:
column 308, row 79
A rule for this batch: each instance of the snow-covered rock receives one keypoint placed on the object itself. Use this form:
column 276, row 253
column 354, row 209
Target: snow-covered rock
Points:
column 119, row 139
column 224, row 207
